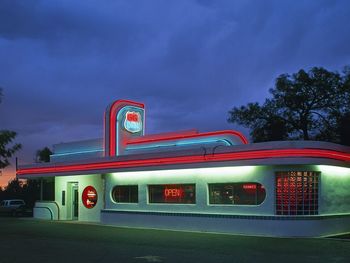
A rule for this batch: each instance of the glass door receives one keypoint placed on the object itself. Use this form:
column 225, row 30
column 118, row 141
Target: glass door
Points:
column 75, row 202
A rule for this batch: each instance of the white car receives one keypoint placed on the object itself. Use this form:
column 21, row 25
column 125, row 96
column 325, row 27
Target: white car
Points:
column 12, row 207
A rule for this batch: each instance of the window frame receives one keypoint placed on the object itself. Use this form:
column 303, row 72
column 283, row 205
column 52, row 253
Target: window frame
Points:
column 235, row 204
column 128, row 185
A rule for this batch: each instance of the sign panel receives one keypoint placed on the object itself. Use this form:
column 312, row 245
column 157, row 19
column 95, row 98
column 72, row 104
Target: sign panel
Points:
column 133, row 121
column 89, row 197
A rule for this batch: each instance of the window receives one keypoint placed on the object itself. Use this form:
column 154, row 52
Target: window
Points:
column 125, row 194
column 236, row 193
column 175, row 193
column 297, row 193
column 63, row 197
column 17, row 202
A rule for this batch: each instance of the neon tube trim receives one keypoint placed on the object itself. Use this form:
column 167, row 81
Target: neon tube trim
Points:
column 166, row 137
column 79, row 152
column 180, row 143
column 233, row 156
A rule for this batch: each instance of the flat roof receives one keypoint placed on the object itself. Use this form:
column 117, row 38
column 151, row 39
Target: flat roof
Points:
column 266, row 153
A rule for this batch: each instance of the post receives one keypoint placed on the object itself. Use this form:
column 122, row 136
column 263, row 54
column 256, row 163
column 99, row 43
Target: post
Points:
column 41, row 189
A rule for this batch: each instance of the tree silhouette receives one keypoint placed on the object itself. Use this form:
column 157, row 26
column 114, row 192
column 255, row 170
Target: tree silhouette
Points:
column 311, row 105
column 7, row 147
column 43, row 155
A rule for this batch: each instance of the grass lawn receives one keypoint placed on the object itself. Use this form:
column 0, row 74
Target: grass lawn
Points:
column 28, row 240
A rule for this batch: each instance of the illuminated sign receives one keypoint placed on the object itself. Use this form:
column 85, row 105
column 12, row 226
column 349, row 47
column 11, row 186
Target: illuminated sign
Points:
column 249, row 186
column 173, row 192
column 89, row 197
column 133, row 121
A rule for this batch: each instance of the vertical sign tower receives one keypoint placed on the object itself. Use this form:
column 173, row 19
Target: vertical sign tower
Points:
column 124, row 119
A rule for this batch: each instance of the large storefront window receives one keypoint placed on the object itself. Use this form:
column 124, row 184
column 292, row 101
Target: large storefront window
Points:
column 125, row 194
column 175, row 193
column 236, row 193
column 297, row 193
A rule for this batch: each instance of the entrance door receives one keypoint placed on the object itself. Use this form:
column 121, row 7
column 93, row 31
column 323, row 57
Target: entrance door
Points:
column 75, row 201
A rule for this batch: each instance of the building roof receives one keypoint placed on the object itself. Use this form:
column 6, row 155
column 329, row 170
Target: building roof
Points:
column 267, row 153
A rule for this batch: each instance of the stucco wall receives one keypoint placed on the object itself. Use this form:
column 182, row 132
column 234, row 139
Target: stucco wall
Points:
column 334, row 190
column 62, row 184
column 334, row 193
column 201, row 177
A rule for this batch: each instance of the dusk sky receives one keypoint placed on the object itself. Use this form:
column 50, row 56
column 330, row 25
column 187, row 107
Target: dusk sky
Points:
column 62, row 62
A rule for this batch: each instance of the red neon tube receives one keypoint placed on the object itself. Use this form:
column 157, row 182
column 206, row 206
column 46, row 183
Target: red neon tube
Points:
column 233, row 156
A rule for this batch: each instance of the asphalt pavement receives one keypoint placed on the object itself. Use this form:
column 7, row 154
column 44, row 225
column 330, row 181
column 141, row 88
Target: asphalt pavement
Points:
column 29, row 240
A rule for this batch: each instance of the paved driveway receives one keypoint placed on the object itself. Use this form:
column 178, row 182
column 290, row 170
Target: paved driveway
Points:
column 28, row 240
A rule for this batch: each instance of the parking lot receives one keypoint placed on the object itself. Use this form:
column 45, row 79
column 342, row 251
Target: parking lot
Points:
column 29, row 240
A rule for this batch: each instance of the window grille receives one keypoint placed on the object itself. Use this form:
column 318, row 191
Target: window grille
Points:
column 297, row 193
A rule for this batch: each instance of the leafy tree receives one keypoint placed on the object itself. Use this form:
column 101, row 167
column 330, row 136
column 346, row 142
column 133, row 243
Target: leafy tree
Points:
column 6, row 152
column 6, row 139
column 31, row 192
column 43, row 155
column 15, row 188
column 28, row 190
column 344, row 129
column 311, row 105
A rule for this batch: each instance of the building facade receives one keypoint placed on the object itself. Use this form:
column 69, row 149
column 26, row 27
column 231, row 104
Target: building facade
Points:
column 214, row 181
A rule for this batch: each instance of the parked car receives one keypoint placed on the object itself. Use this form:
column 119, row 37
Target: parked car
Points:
column 13, row 207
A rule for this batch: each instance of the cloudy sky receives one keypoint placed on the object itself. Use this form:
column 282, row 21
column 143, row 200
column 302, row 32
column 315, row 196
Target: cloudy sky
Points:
column 62, row 62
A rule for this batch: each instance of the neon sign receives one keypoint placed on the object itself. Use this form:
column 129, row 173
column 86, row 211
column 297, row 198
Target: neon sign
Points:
column 249, row 186
column 133, row 122
column 89, row 197
column 173, row 192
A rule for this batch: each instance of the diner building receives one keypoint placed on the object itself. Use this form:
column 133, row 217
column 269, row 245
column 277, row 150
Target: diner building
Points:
column 188, row 180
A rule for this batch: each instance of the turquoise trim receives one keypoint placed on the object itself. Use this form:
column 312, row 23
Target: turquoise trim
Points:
column 179, row 143
column 78, row 152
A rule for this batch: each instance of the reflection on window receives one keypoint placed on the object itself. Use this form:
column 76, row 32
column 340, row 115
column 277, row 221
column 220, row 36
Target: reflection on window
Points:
column 297, row 193
column 125, row 194
column 176, row 193
column 236, row 193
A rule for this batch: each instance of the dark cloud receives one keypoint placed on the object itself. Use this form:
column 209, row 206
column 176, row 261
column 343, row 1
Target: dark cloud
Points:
column 63, row 62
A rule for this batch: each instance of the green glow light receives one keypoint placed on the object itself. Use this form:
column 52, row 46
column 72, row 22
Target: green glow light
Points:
column 334, row 170
column 184, row 175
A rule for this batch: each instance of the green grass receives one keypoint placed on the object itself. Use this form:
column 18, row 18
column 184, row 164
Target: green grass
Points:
column 28, row 240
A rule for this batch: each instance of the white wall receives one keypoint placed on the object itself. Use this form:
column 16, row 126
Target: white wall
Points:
column 334, row 194
column 199, row 176
column 334, row 190
column 85, row 214
column 46, row 210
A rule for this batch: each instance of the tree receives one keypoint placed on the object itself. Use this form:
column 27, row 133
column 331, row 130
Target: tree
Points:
column 344, row 129
column 43, row 155
column 6, row 152
column 309, row 105
column 15, row 189
column 6, row 139
column 29, row 191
